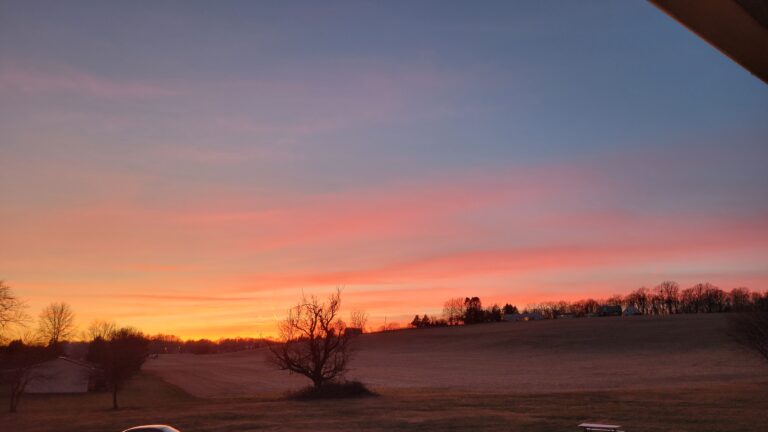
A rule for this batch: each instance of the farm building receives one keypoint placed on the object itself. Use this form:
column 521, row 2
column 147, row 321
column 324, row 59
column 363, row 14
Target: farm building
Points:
column 609, row 311
column 533, row 316
column 631, row 310
column 353, row 331
column 62, row 375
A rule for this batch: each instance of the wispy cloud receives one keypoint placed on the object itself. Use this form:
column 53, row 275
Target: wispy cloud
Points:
column 68, row 80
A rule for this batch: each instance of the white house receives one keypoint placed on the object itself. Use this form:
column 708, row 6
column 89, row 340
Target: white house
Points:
column 62, row 375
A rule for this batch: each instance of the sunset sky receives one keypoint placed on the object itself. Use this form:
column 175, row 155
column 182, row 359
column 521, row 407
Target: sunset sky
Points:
column 192, row 167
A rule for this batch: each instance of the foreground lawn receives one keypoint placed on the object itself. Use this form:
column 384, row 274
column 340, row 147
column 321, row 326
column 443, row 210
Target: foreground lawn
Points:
column 726, row 407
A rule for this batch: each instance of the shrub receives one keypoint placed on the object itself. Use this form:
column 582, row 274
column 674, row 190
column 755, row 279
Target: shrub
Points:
column 334, row 390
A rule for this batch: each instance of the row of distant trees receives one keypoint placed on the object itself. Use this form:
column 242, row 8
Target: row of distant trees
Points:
column 667, row 298
column 468, row 310
column 170, row 344
column 316, row 343
column 664, row 299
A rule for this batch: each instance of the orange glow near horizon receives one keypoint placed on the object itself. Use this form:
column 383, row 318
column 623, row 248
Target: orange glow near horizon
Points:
column 218, row 273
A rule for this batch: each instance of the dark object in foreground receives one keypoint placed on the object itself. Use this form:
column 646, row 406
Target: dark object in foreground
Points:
column 597, row 427
column 750, row 328
column 334, row 390
column 152, row 428
column 738, row 28
column 120, row 356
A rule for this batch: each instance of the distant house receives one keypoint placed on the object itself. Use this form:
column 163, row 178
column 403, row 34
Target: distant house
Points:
column 353, row 331
column 606, row 310
column 63, row 375
column 533, row 316
column 631, row 310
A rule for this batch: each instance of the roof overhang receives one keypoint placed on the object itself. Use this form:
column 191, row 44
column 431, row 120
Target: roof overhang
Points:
column 738, row 28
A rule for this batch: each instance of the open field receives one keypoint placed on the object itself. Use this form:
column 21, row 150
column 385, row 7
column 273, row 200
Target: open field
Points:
column 648, row 374
column 714, row 408
column 527, row 357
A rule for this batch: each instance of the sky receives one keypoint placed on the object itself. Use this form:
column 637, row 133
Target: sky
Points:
column 194, row 167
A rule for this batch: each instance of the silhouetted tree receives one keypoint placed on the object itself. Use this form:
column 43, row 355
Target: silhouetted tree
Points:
column 120, row 356
column 56, row 323
column 693, row 299
column 739, row 299
column 426, row 321
column 669, row 295
column 614, row 300
column 165, row 344
column 313, row 341
column 100, row 329
column 237, row 344
column 416, row 322
column 509, row 309
column 473, row 310
column 11, row 311
column 200, row 346
column 494, row 313
column 639, row 299
column 714, row 299
column 453, row 311
column 358, row 319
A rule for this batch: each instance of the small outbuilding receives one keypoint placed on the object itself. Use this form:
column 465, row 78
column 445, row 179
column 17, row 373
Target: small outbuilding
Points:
column 353, row 331
column 609, row 310
column 63, row 375
column 533, row 316
column 631, row 310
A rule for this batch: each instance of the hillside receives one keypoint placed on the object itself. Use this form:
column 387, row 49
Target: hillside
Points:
column 528, row 357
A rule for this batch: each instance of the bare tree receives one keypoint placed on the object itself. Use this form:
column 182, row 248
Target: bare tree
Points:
column 100, row 329
column 358, row 319
column 313, row 341
column 12, row 311
column 739, row 299
column 56, row 323
column 453, row 311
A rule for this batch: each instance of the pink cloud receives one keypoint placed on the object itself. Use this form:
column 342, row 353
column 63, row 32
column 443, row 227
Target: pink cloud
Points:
column 502, row 235
column 62, row 79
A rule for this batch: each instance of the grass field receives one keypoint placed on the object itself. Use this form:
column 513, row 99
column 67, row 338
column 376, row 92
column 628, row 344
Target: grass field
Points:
column 735, row 407
column 530, row 357
column 719, row 387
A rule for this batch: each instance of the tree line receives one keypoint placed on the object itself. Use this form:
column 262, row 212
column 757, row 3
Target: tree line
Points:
column 468, row 310
column 170, row 344
column 666, row 298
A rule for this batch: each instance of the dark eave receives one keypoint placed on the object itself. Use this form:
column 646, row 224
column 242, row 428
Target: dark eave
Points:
column 738, row 28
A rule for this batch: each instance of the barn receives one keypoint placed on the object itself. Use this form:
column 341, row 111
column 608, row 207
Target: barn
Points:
column 62, row 375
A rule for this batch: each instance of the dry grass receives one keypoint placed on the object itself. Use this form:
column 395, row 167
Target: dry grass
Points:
column 678, row 373
column 545, row 356
column 734, row 407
